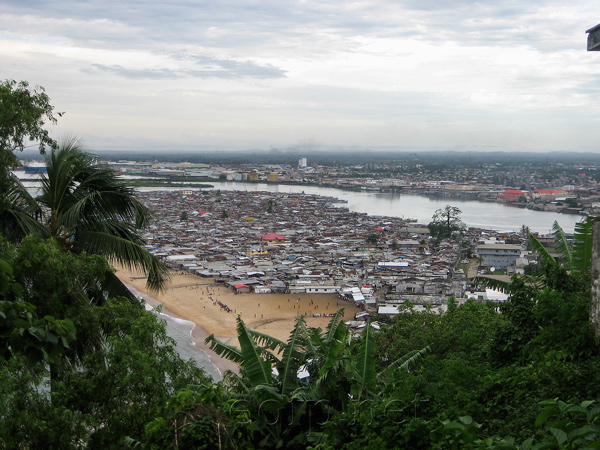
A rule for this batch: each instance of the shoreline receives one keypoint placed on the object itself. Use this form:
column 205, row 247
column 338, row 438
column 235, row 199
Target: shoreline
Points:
column 213, row 309
column 197, row 334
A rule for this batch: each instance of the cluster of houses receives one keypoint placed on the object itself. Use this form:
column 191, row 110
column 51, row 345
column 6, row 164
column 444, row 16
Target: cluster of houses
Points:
column 297, row 243
column 474, row 183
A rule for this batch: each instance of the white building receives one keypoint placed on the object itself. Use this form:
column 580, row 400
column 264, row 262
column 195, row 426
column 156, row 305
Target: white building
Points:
column 499, row 256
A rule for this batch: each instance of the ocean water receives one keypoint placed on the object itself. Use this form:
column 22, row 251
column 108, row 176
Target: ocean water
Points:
column 180, row 330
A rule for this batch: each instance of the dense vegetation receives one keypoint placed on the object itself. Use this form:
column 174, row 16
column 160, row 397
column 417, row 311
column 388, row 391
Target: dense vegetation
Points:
column 82, row 367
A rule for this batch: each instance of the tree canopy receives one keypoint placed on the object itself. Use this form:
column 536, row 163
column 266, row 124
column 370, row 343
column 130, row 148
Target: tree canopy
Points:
column 446, row 222
column 99, row 368
column 24, row 113
column 85, row 208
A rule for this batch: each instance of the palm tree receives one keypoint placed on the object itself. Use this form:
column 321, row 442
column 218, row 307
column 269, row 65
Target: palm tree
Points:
column 20, row 214
column 339, row 369
column 573, row 261
column 85, row 208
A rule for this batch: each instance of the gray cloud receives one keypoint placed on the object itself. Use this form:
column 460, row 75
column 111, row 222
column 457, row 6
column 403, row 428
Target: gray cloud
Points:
column 242, row 24
column 210, row 68
column 448, row 72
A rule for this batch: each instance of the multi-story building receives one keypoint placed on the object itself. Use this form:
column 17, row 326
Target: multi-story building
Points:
column 499, row 256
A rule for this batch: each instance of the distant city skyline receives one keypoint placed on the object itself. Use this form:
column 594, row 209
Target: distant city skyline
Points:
column 311, row 76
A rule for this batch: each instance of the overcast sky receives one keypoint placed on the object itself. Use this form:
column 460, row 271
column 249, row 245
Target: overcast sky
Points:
column 319, row 75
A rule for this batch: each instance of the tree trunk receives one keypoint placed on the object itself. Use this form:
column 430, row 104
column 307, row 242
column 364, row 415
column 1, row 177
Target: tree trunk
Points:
column 595, row 278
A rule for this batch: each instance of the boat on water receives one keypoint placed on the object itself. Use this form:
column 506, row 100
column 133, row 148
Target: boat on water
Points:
column 35, row 167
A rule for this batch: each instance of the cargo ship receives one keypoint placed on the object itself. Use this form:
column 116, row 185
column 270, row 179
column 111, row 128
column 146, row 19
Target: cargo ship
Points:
column 35, row 167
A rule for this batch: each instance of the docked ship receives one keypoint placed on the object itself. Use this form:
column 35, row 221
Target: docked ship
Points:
column 35, row 167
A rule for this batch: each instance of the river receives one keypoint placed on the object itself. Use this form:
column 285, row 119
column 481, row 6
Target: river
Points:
column 487, row 215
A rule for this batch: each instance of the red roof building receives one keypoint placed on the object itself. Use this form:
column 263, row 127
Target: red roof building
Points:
column 272, row 237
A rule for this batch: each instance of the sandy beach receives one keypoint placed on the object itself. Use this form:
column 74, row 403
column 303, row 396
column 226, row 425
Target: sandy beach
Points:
column 195, row 298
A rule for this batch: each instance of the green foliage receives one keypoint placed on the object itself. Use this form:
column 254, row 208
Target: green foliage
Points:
column 20, row 214
column 109, row 382
column 519, row 327
column 572, row 203
column 85, row 208
column 463, row 433
column 290, row 411
column 582, row 247
column 293, row 357
column 564, row 426
column 200, row 417
column 21, row 331
column 562, row 325
column 446, row 222
column 110, row 393
column 372, row 238
column 257, row 369
column 23, row 116
column 562, row 246
column 64, row 286
column 569, row 273
column 365, row 367
column 141, row 366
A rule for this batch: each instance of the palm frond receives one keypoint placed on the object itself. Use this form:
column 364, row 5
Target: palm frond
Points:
column 268, row 396
column 492, row 283
column 406, row 361
column 365, row 377
column 545, row 256
column 316, row 340
column 225, row 350
column 93, row 211
column 124, row 251
column 15, row 225
column 116, row 288
column 293, row 357
column 267, row 341
column 333, row 325
column 61, row 166
column 333, row 342
column 100, row 197
column 582, row 247
column 562, row 245
column 257, row 370
column 19, row 196
column 20, row 212
column 102, row 193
